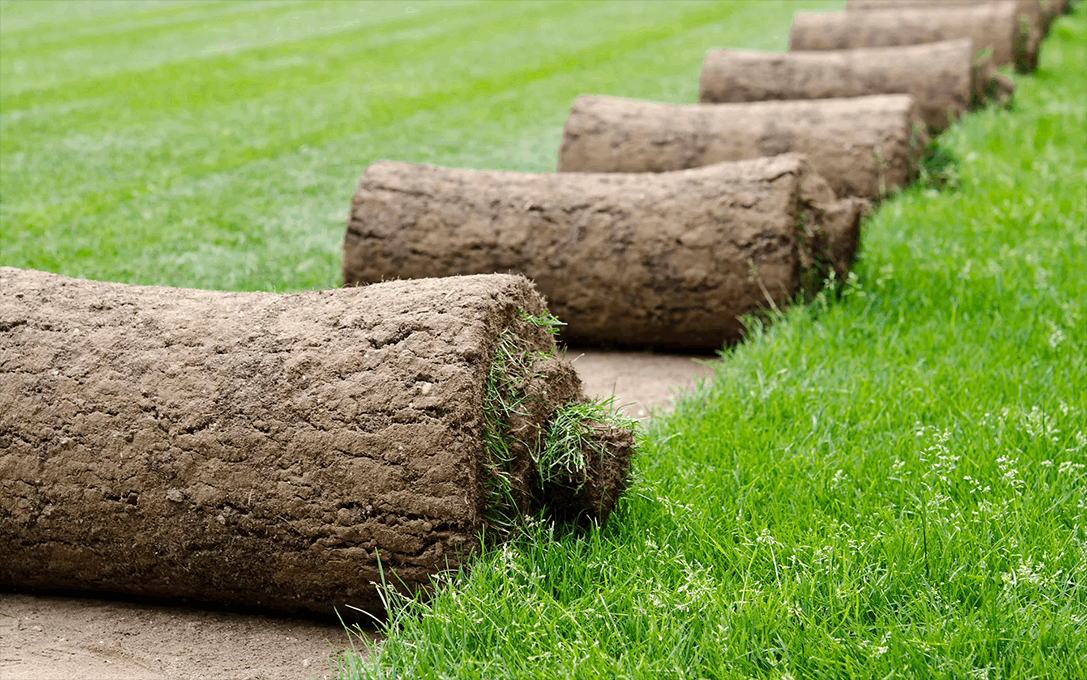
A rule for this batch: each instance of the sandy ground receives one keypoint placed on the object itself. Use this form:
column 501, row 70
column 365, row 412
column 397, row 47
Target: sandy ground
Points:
column 642, row 382
column 64, row 638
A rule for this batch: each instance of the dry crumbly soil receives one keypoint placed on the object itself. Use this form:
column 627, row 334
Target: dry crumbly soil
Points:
column 66, row 638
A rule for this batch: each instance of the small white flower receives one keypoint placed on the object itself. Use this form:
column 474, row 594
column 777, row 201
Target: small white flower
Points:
column 765, row 538
column 1068, row 467
column 1056, row 337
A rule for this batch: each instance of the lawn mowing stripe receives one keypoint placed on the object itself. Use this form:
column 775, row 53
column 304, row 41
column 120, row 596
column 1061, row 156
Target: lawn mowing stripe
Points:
column 48, row 17
column 152, row 27
column 280, row 98
column 117, row 56
column 203, row 79
column 389, row 111
column 509, row 105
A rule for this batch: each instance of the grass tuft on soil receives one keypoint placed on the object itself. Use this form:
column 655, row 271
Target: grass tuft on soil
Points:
column 568, row 434
column 510, row 368
column 560, row 454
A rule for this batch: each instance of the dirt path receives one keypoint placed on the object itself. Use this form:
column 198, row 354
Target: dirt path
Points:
column 63, row 638
column 642, row 382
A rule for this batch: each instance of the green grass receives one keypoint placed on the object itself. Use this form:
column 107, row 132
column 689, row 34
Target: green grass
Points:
column 885, row 483
column 217, row 144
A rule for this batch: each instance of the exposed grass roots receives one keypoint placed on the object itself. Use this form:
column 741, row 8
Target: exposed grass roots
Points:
column 561, row 454
column 559, row 451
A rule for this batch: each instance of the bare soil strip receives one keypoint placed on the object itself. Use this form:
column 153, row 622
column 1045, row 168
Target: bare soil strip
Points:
column 65, row 638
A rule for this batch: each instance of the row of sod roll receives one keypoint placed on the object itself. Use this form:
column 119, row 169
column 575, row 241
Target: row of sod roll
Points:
column 295, row 451
column 634, row 249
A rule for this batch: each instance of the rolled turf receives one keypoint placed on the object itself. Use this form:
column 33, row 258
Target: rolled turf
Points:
column 862, row 146
column 944, row 78
column 665, row 260
column 992, row 25
column 269, row 450
column 1040, row 13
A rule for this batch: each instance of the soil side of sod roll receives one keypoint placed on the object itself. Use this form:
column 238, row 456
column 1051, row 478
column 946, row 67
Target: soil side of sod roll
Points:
column 862, row 146
column 666, row 260
column 1040, row 13
column 944, row 78
column 994, row 26
column 266, row 450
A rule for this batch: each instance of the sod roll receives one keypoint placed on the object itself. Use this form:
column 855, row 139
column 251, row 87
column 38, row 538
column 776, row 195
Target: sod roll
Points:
column 664, row 260
column 862, row 146
column 1040, row 13
column 994, row 26
column 266, row 449
column 944, row 78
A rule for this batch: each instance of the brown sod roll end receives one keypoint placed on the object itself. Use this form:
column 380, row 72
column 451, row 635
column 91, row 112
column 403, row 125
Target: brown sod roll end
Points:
column 662, row 260
column 995, row 26
column 942, row 77
column 862, row 146
column 269, row 450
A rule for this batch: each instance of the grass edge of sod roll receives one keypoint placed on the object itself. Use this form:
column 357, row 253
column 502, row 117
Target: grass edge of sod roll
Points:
column 890, row 482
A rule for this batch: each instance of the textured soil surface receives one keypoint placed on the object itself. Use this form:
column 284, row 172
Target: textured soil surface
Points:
column 944, row 78
column 625, row 260
column 251, row 448
column 46, row 638
column 862, row 146
column 993, row 25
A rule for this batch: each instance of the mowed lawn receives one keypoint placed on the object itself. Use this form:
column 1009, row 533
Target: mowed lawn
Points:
column 888, row 482
column 217, row 144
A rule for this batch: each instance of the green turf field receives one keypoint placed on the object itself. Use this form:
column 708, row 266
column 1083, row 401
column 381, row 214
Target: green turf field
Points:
column 217, row 144
column 891, row 482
